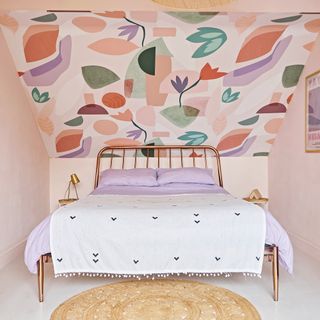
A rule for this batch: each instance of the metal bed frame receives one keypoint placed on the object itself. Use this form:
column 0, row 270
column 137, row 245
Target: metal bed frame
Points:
column 158, row 154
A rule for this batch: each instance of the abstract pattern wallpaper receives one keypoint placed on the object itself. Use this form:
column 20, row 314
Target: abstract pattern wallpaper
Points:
column 128, row 78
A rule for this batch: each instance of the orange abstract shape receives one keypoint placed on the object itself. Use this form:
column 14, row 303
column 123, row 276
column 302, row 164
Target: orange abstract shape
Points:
column 113, row 46
column 89, row 24
column 112, row 14
column 153, row 82
column 146, row 116
column 219, row 123
column 9, row 22
column 46, row 125
column 145, row 16
column 233, row 139
column 128, row 87
column 44, row 122
column 260, row 42
column 309, row 46
column 273, row 125
column 313, row 26
column 68, row 140
column 244, row 22
column 106, row 127
column 164, row 32
column 113, row 100
column 40, row 41
column 195, row 155
column 270, row 141
column 208, row 73
column 289, row 98
column 122, row 142
column 124, row 116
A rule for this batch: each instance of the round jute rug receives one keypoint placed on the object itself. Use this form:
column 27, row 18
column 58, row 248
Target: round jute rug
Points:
column 156, row 300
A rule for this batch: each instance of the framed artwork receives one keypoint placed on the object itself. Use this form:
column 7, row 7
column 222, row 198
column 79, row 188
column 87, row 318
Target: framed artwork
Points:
column 312, row 121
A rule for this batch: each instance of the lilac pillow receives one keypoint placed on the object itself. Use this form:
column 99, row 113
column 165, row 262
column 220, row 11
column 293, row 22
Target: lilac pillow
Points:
column 129, row 177
column 185, row 175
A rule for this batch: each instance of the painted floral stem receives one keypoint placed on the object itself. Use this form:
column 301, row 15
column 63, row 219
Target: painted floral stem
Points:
column 182, row 92
column 144, row 131
column 143, row 30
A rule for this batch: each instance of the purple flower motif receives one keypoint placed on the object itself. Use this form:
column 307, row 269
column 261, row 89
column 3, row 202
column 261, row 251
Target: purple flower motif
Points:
column 180, row 85
column 130, row 30
column 134, row 134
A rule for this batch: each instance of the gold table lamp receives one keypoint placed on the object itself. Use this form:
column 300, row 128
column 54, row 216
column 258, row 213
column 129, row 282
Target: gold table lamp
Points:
column 74, row 180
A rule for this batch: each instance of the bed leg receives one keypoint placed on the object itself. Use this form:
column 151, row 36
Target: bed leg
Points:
column 40, row 265
column 275, row 272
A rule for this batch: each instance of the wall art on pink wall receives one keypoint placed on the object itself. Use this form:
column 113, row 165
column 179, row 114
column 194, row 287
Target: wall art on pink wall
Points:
column 110, row 78
column 313, row 112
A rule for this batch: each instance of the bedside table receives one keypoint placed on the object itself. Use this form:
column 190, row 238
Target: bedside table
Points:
column 63, row 202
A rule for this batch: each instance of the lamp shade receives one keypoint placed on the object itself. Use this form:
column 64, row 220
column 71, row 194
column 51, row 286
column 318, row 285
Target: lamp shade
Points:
column 74, row 179
column 192, row 4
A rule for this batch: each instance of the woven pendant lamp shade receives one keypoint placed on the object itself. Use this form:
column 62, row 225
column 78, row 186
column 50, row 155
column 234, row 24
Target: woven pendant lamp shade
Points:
column 192, row 4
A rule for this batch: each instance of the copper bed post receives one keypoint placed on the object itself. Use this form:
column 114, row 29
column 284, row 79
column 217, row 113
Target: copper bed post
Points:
column 275, row 272
column 40, row 266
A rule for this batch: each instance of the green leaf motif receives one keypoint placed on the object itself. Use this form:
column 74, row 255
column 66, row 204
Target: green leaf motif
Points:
column 287, row 19
column 180, row 117
column 147, row 61
column 148, row 152
column 250, row 121
column 228, row 96
column 35, row 94
column 212, row 39
column 44, row 97
column 98, row 77
column 75, row 122
column 194, row 138
column 39, row 97
column 46, row 18
column 261, row 154
column 291, row 75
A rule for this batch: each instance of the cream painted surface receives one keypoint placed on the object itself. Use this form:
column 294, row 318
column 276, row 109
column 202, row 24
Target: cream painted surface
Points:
column 294, row 175
column 24, row 164
column 236, row 6
column 240, row 176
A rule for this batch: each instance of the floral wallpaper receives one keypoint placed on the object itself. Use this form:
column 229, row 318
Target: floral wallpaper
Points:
column 131, row 78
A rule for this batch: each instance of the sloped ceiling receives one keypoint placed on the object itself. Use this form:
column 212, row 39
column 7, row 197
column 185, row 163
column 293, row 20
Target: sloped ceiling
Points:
column 106, row 78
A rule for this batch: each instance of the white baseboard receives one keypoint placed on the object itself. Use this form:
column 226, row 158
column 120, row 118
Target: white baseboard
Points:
column 13, row 252
column 305, row 246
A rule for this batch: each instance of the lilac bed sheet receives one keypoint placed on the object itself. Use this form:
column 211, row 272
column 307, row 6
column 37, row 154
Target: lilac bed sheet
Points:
column 38, row 242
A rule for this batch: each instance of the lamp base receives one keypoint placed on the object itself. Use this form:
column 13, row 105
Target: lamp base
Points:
column 63, row 202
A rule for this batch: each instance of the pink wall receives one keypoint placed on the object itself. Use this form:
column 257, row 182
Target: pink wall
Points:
column 24, row 164
column 294, row 175
column 237, row 5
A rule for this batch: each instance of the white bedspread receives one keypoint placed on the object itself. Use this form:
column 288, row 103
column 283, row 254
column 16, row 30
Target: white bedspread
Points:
column 122, row 234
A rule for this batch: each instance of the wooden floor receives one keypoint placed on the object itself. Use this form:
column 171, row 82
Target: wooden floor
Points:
column 299, row 294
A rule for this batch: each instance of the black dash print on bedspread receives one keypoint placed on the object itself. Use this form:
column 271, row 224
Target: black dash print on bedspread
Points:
column 135, row 261
column 113, row 218
column 176, row 258
column 59, row 259
column 258, row 258
column 196, row 214
column 217, row 258
column 95, row 260
column 154, row 218
column 95, row 254
column 196, row 221
column 72, row 217
column 237, row 214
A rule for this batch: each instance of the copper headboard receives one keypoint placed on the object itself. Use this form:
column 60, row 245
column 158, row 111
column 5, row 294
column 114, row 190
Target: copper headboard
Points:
column 158, row 152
